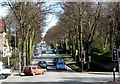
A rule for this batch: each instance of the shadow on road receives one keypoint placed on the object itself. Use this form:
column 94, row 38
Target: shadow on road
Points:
column 103, row 73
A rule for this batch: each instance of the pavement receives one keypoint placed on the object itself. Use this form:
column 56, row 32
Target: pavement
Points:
column 111, row 82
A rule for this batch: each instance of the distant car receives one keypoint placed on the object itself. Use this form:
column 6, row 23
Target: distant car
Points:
column 61, row 51
column 33, row 70
column 43, row 51
column 56, row 59
column 55, row 50
column 61, row 65
column 49, row 52
column 36, row 53
column 4, row 72
column 42, row 64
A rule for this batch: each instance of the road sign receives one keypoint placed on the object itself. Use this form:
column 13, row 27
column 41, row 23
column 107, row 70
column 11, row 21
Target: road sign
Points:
column 8, row 54
column 118, row 64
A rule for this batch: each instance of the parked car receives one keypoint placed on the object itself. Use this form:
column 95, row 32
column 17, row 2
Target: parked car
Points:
column 42, row 64
column 56, row 59
column 61, row 65
column 55, row 51
column 43, row 52
column 33, row 70
column 49, row 52
column 36, row 53
column 4, row 72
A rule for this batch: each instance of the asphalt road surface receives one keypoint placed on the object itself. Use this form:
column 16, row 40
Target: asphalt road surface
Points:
column 53, row 75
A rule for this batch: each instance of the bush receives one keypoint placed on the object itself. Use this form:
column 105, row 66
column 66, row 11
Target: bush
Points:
column 104, row 58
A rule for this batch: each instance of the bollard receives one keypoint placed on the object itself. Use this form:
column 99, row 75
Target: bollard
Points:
column 114, row 69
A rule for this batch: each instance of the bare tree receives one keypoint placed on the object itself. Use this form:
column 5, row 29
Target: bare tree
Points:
column 30, row 20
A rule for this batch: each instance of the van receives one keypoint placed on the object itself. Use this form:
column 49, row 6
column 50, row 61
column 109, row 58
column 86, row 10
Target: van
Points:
column 4, row 73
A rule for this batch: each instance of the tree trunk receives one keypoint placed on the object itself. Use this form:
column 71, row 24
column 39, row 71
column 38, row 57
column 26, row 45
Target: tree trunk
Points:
column 28, row 51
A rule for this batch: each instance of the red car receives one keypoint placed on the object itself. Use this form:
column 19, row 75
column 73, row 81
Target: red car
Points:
column 33, row 70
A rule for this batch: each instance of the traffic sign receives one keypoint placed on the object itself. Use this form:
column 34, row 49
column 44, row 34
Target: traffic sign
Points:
column 8, row 54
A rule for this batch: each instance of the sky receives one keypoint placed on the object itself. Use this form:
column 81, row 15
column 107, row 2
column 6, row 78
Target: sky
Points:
column 3, row 11
column 51, row 18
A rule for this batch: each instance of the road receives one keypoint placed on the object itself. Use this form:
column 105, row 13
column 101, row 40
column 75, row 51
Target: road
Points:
column 53, row 75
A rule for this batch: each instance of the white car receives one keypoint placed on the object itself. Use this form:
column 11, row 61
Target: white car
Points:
column 4, row 73
column 61, row 65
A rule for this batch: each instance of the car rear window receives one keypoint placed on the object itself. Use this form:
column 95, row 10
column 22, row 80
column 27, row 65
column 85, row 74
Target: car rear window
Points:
column 27, row 68
column 61, row 63
column 39, row 67
column 42, row 62
column 33, row 67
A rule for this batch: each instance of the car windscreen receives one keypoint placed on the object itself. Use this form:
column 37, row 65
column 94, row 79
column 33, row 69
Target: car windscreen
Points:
column 33, row 67
column 61, row 63
column 42, row 62
column 49, row 52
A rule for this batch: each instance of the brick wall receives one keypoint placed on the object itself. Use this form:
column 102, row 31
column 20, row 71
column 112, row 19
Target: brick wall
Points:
column 2, row 25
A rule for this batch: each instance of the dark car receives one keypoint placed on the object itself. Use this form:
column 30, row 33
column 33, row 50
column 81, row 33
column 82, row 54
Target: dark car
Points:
column 55, row 51
column 42, row 64
column 36, row 53
column 56, row 59
column 43, row 51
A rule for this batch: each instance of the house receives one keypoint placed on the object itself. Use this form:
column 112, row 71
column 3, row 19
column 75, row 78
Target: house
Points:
column 3, row 41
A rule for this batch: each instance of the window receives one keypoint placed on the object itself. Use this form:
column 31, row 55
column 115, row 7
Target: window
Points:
column 3, row 66
column 60, row 63
column 39, row 67
column 33, row 67
column 27, row 68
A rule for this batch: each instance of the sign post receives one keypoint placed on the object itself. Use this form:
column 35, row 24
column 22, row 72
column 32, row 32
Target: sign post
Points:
column 116, row 57
column 8, row 55
column 119, row 64
column 114, row 54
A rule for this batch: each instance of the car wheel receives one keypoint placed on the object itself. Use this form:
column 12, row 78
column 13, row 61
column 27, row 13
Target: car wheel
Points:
column 42, row 72
column 25, row 74
column 65, row 69
column 3, row 76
